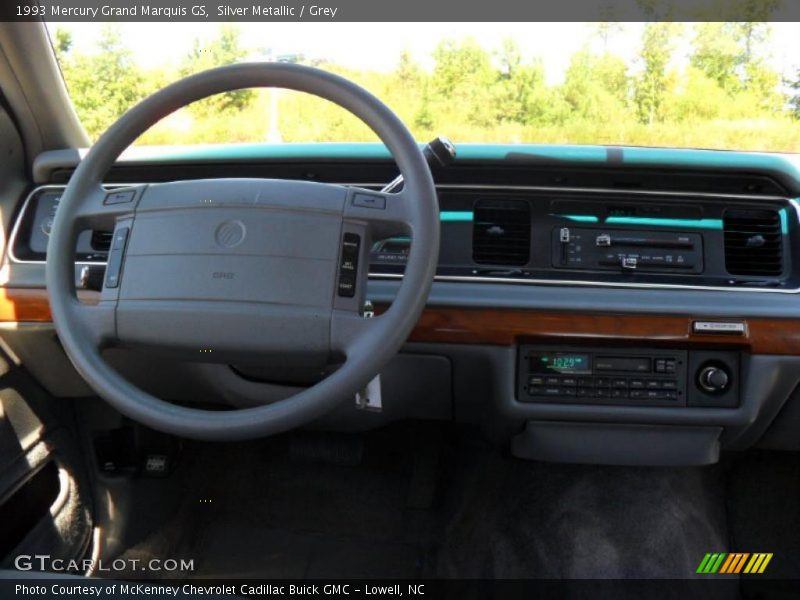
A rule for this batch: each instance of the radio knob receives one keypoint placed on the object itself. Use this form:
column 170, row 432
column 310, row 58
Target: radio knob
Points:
column 713, row 380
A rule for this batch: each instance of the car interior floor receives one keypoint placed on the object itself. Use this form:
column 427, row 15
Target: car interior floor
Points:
column 419, row 500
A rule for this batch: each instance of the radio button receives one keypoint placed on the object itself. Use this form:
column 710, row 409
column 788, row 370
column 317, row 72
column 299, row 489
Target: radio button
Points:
column 551, row 391
column 619, row 383
column 601, row 382
column 637, row 384
column 585, row 392
column 535, row 380
column 535, row 390
column 619, row 393
column 569, row 381
column 585, row 382
column 568, row 391
column 551, row 381
column 653, row 384
column 602, row 393
column 669, row 384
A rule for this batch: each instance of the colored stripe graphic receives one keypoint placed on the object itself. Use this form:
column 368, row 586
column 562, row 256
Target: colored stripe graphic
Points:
column 711, row 563
column 734, row 563
column 758, row 563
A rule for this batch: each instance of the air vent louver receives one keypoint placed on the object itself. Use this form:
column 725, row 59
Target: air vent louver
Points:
column 101, row 240
column 501, row 233
column 753, row 242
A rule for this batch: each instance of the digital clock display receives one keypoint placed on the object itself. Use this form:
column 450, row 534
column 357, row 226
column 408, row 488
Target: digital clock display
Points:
column 560, row 362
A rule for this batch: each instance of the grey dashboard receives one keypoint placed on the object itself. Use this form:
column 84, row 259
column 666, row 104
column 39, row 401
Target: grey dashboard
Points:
column 713, row 239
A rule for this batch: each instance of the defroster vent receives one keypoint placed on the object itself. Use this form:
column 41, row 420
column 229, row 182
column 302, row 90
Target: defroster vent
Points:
column 753, row 242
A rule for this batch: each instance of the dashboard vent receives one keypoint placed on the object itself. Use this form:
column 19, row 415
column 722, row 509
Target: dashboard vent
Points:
column 753, row 242
column 501, row 232
column 101, row 240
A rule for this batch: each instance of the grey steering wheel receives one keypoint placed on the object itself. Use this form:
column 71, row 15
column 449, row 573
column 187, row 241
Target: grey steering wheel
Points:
column 241, row 269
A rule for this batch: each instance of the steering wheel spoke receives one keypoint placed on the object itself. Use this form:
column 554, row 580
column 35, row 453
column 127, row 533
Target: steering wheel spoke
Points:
column 97, row 321
column 347, row 328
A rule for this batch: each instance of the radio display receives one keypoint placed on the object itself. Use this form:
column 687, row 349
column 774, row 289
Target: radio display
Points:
column 560, row 362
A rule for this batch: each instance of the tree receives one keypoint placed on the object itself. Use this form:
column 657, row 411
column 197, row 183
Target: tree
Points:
column 62, row 43
column 794, row 101
column 651, row 86
column 718, row 54
column 225, row 49
column 460, row 66
column 408, row 71
column 103, row 84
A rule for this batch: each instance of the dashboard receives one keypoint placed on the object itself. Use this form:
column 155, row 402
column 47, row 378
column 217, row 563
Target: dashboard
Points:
column 587, row 289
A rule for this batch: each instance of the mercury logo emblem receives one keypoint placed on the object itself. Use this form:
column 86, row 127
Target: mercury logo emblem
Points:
column 230, row 234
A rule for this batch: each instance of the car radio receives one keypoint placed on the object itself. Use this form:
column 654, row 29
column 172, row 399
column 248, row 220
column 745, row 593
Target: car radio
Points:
column 642, row 377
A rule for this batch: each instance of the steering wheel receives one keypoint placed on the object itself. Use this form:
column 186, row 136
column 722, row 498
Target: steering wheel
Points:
column 226, row 270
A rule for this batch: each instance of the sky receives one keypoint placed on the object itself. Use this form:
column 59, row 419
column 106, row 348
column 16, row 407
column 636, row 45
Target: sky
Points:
column 377, row 46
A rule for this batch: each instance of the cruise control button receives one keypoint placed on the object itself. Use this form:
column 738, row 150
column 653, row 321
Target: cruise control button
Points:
column 347, row 286
column 114, row 265
column 369, row 201
column 120, row 197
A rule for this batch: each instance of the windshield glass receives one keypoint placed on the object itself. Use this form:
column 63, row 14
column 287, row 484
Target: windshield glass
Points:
column 696, row 85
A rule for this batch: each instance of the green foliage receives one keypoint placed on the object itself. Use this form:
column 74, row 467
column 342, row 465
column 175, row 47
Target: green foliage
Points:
column 225, row 49
column 726, row 97
column 651, row 87
column 794, row 101
column 105, row 84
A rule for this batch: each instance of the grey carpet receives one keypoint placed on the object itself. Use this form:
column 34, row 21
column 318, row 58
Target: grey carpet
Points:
column 526, row 519
column 249, row 509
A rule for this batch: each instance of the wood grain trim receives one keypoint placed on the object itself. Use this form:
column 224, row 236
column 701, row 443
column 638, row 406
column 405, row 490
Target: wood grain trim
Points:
column 501, row 327
column 507, row 327
column 31, row 304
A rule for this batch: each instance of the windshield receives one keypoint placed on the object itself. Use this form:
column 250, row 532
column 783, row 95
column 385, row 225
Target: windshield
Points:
column 696, row 85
